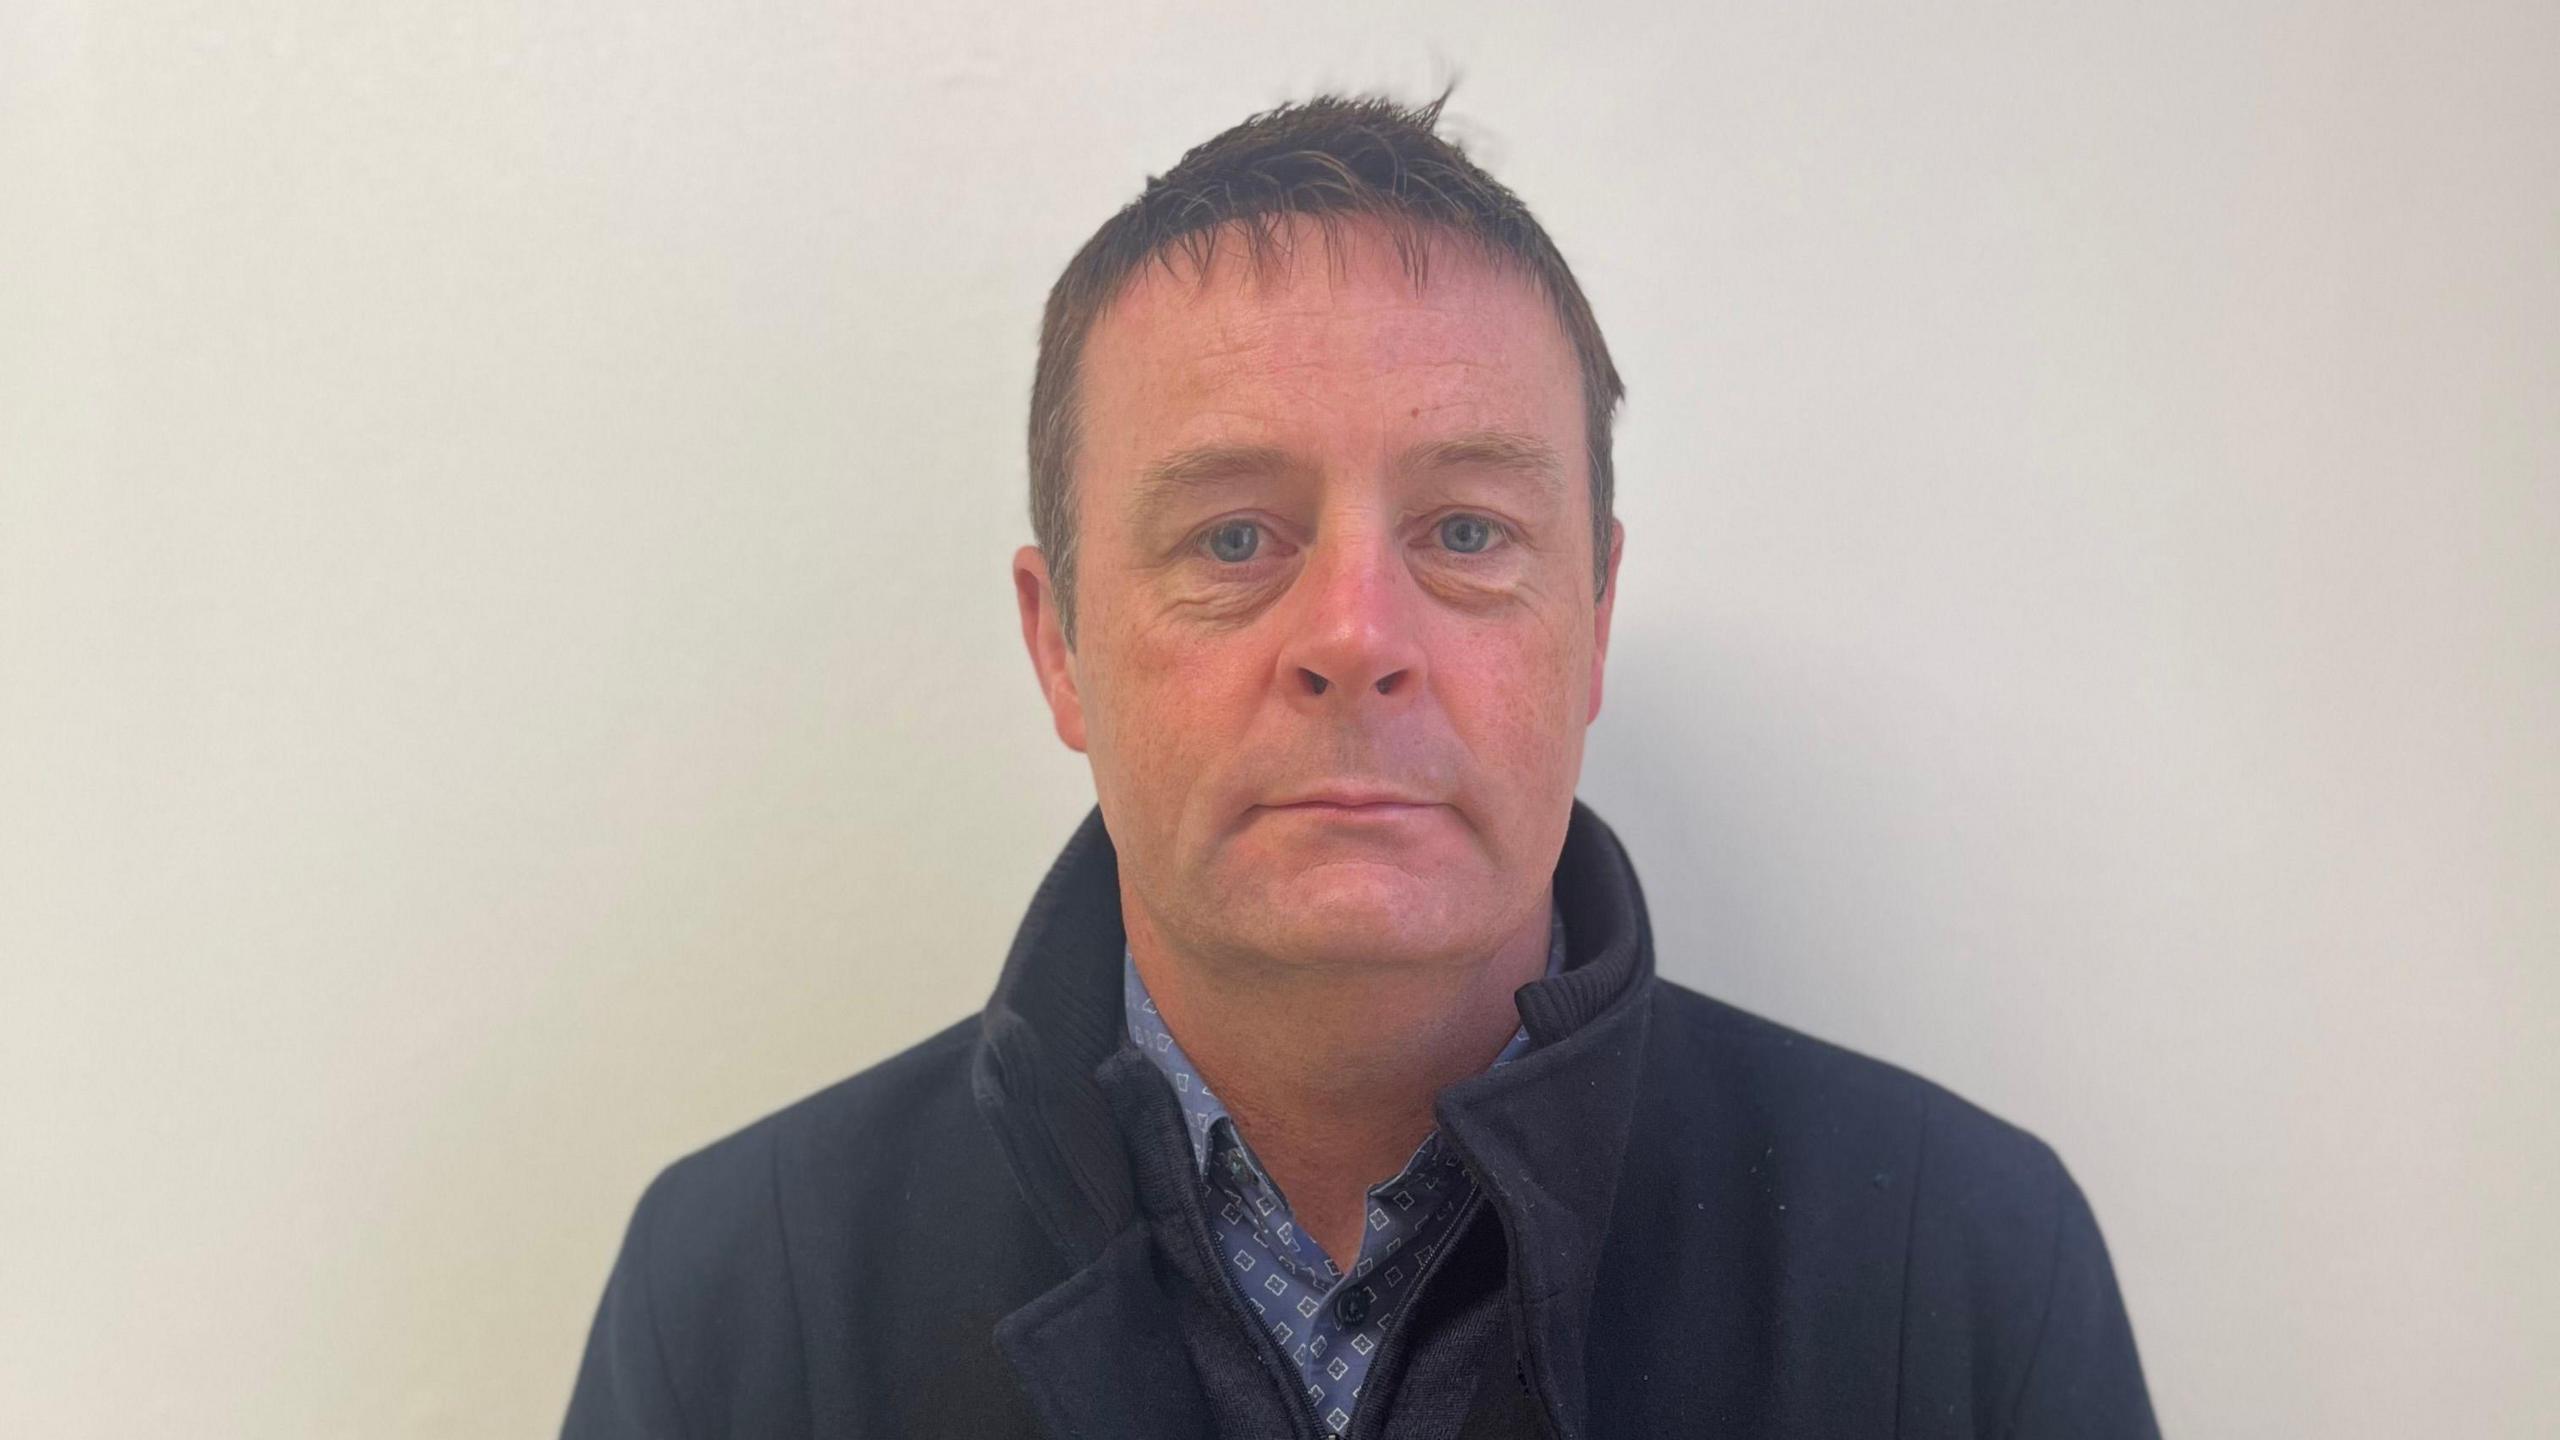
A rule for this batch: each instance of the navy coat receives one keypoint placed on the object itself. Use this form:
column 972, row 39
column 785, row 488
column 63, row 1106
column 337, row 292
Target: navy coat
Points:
column 1691, row 1222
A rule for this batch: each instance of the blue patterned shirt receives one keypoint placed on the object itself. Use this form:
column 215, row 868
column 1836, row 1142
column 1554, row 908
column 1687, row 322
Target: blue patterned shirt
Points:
column 1328, row 1321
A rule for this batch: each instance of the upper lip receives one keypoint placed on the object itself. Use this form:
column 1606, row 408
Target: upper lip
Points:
column 1353, row 797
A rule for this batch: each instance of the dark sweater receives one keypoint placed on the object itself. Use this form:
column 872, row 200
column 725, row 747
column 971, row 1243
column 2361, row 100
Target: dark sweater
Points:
column 994, row 1234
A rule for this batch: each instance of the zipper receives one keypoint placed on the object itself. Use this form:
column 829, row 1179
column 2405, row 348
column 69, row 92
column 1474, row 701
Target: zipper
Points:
column 1545, row 1408
column 1294, row 1383
column 1393, row 1350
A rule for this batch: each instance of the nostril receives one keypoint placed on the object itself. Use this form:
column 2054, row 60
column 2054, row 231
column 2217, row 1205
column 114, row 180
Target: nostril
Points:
column 1317, row 684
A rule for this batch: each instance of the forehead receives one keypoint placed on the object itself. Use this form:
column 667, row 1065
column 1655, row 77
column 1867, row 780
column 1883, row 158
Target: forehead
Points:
column 1331, row 349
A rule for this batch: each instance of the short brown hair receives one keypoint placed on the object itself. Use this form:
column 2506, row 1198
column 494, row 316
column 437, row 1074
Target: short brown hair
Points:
column 1330, row 158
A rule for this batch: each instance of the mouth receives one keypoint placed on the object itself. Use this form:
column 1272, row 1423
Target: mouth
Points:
column 1354, row 810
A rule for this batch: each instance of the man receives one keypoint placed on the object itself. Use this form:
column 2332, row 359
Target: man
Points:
column 1329, row 1088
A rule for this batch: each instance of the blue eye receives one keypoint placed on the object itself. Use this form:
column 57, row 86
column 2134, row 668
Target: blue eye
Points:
column 1467, row 534
column 1218, row 539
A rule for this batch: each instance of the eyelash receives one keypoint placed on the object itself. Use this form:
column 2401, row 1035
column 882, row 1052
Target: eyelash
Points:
column 1503, row 533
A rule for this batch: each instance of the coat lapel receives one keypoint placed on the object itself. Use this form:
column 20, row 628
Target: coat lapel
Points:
column 1547, row 1134
column 1102, row 1355
column 1054, row 1017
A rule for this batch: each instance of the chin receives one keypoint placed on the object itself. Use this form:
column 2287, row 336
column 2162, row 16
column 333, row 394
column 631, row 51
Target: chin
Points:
column 1357, row 907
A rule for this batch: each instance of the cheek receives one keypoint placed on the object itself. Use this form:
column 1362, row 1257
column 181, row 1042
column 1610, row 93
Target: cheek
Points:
column 1521, row 691
column 1173, row 705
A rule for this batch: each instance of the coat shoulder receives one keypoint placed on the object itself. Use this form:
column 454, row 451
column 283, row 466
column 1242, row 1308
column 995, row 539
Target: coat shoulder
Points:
column 1813, row 1088
column 748, row 1254
column 713, row 1229
column 1971, row 1228
column 886, row 1107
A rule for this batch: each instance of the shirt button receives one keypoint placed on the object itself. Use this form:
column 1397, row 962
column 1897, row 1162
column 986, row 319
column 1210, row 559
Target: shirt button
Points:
column 1354, row 1307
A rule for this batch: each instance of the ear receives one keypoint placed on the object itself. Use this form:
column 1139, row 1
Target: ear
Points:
column 1608, row 604
column 1047, row 642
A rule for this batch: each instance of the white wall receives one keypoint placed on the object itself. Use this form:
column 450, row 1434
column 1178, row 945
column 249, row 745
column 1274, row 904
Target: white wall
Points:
column 507, row 670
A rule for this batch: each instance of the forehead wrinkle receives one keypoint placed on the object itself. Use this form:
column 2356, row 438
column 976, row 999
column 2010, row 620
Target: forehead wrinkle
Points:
column 1212, row 352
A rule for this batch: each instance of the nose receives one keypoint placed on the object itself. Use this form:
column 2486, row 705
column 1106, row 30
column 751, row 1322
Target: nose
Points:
column 1356, row 625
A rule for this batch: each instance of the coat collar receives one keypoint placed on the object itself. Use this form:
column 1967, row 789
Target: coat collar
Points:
column 1545, row 1135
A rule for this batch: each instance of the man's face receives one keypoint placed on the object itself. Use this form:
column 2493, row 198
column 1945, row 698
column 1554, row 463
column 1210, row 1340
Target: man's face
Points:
column 1334, row 538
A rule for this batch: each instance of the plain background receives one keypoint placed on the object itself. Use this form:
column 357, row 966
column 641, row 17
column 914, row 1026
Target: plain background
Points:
column 507, row 667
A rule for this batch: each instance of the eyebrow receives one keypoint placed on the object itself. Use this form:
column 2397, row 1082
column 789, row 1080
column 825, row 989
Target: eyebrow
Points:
column 1198, row 467
column 1487, row 450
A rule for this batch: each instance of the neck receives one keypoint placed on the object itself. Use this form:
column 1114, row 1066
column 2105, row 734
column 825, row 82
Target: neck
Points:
column 1331, row 1078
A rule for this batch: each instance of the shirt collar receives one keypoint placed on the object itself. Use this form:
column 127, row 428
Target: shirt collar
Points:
column 1202, row 1110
